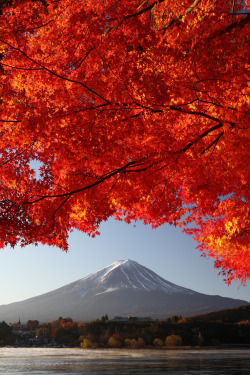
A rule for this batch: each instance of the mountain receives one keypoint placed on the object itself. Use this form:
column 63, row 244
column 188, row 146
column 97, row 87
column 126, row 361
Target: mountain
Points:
column 235, row 315
column 124, row 288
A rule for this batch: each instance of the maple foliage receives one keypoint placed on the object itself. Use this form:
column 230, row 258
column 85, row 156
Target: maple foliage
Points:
column 137, row 110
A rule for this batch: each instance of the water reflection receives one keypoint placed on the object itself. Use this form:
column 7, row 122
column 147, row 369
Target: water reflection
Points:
column 123, row 362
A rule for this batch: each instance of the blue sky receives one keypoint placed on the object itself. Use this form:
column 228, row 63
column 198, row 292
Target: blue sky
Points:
column 31, row 271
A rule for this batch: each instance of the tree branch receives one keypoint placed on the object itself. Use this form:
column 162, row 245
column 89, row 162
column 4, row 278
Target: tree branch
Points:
column 195, row 113
column 128, row 16
column 213, row 143
column 17, row 155
column 54, row 73
column 178, row 19
column 1, row 120
column 242, row 23
column 204, row 134
column 58, row 208
column 98, row 182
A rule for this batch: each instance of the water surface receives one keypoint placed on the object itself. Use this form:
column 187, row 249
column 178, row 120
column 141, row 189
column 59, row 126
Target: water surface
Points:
column 50, row 361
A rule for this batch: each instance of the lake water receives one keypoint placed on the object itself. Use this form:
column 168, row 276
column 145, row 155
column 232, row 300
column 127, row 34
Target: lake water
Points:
column 41, row 361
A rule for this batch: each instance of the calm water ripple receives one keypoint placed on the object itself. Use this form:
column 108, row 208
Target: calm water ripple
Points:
column 41, row 361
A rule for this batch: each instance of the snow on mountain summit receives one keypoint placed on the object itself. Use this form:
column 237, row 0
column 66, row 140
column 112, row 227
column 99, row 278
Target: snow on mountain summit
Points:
column 124, row 274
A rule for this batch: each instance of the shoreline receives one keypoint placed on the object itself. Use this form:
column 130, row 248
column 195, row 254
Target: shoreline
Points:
column 163, row 348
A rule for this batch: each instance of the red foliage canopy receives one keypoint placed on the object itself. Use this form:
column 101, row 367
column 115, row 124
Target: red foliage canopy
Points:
column 133, row 109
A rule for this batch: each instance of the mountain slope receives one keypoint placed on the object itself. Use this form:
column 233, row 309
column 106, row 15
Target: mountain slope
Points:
column 122, row 288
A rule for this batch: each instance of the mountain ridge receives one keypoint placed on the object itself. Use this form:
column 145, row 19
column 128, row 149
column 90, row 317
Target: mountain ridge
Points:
column 124, row 288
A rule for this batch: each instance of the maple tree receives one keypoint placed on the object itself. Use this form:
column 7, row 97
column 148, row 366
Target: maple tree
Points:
column 64, row 330
column 137, row 110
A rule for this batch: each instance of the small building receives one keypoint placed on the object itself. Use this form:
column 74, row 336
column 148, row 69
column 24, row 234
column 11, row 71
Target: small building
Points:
column 130, row 319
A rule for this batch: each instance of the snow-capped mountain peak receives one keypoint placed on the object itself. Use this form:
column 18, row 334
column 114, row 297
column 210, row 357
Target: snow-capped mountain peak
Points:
column 125, row 274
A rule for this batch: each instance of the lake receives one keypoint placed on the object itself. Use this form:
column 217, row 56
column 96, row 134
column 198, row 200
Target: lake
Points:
column 39, row 361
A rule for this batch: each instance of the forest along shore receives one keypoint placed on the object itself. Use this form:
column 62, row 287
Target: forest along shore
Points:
column 225, row 329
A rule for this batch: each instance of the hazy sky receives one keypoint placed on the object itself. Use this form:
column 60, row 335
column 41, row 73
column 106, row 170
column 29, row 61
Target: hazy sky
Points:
column 31, row 271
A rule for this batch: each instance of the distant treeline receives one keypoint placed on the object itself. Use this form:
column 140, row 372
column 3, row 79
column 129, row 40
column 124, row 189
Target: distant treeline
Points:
column 227, row 327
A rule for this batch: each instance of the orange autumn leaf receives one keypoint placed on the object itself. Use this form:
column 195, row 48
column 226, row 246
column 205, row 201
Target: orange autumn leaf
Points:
column 130, row 109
